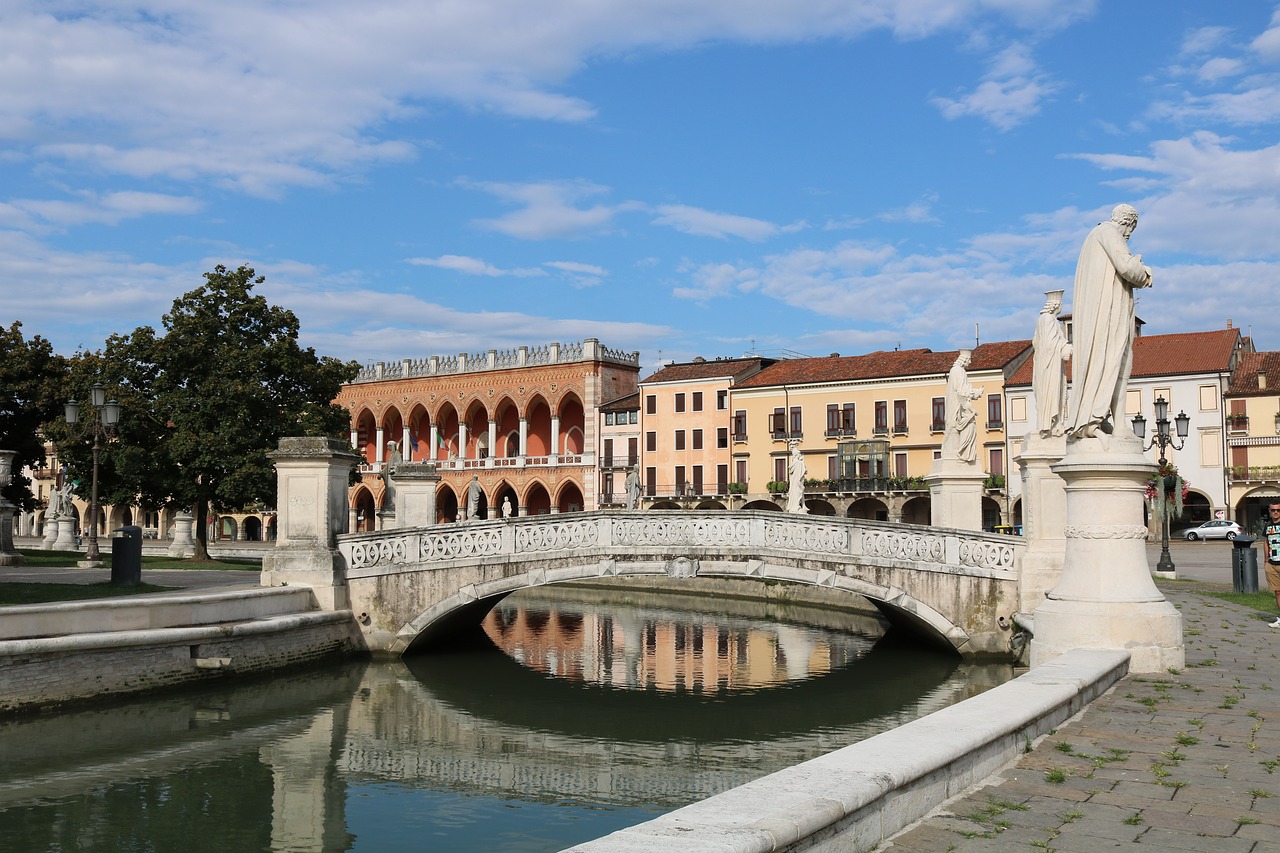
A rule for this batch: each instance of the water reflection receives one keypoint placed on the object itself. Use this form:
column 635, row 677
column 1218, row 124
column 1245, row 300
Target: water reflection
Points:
column 468, row 750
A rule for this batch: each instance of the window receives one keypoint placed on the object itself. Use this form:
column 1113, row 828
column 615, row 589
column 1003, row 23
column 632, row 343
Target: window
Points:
column 995, row 461
column 697, row 439
column 1132, row 403
column 833, row 419
column 995, row 413
column 608, row 418
column 722, row 400
column 650, row 405
column 697, row 479
column 633, row 451
column 608, row 488
column 899, row 416
column 780, row 469
column 651, row 442
column 1018, row 409
column 679, row 439
column 722, row 437
column 634, row 417
column 1211, row 448
column 899, row 464
column 740, row 425
column 938, row 422
column 778, row 424
column 740, row 470
column 651, row 481
column 697, row 401
column 722, row 479
column 1167, row 393
column 1208, row 398
column 846, row 419
column 833, row 467
column 608, row 451
column 679, row 479
column 882, row 418
column 796, row 429
column 680, row 402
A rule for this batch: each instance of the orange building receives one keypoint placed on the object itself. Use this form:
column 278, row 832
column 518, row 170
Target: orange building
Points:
column 523, row 422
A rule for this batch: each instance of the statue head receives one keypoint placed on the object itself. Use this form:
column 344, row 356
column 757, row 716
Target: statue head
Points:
column 1126, row 216
column 1053, row 302
column 965, row 357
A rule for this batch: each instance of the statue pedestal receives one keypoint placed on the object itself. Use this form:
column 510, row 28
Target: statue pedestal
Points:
column 182, row 544
column 66, row 540
column 50, row 532
column 955, row 494
column 1105, row 598
column 8, row 555
column 1044, row 513
column 416, row 484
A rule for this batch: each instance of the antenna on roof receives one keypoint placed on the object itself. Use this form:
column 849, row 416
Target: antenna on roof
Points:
column 977, row 338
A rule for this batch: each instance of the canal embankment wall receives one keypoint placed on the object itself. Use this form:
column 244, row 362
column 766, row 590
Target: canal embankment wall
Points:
column 854, row 798
column 58, row 654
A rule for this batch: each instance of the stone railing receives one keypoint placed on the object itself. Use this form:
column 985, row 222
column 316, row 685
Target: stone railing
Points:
column 597, row 535
column 523, row 356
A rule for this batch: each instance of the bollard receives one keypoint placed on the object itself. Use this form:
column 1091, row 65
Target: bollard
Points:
column 1244, row 565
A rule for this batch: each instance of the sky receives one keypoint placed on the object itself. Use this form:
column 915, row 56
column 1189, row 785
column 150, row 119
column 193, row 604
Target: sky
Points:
column 677, row 177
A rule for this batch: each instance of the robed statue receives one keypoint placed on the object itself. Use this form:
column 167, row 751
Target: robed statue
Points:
column 1049, row 378
column 960, row 441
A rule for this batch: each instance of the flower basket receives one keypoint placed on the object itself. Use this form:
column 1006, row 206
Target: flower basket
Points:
column 1167, row 493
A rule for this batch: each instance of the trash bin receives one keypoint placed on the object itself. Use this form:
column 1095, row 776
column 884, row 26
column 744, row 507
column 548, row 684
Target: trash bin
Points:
column 1244, row 565
column 126, row 556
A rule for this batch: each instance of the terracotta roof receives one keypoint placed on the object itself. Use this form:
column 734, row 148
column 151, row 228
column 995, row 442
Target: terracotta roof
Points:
column 1245, row 383
column 622, row 404
column 692, row 370
column 882, row 365
column 1167, row 355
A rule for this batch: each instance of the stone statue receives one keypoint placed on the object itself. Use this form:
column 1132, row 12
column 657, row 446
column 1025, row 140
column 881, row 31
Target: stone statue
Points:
column 474, row 491
column 795, row 479
column 1051, row 355
column 507, row 509
column 633, row 487
column 1103, row 326
column 388, row 474
column 960, row 441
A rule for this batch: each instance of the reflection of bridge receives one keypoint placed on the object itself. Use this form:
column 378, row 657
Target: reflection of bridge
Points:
column 413, row 585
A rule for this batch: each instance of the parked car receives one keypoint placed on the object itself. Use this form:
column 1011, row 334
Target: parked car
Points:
column 1213, row 530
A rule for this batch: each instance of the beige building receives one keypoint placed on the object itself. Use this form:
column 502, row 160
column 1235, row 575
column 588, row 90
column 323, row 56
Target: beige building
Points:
column 619, row 448
column 868, row 428
column 1252, row 421
column 685, row 423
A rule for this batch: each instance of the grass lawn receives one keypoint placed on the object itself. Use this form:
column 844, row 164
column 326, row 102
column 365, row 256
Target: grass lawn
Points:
column 44, row 593
column 61, row 559
column 1264, row 601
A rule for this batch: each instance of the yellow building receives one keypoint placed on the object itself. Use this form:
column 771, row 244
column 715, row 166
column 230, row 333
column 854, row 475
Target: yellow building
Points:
column 684, row 427
column 868, row 427
column 1253, row 436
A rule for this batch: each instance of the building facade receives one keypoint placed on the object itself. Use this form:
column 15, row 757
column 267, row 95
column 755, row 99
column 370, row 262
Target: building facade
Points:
column 1252, row 422
column 522, row 423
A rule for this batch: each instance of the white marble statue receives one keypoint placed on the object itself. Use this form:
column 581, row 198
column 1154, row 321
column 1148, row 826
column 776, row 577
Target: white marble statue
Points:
column 1103, row 326
column 1049, row 379
column 795, row 479
column 388, row 475
column 474, row 491
column 633, row 487
column 507, row 509
column 960, row 441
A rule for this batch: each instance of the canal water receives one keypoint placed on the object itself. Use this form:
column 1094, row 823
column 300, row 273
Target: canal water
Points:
column 569, row 718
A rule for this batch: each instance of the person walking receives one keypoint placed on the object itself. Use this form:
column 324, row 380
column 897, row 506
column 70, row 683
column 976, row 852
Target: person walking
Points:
column 1271, row 534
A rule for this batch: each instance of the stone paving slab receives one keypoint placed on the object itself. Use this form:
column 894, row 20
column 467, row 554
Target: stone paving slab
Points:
column 1185, row 762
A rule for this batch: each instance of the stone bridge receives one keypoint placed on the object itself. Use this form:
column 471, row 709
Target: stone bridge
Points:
column 412, row 586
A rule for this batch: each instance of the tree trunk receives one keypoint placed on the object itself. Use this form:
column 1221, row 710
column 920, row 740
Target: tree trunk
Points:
column 201, row 530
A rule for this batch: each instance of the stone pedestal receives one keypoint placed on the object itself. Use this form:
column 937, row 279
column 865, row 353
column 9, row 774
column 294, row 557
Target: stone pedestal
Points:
column 8, row 556
column 182, row 545
column 955, row 494
column 311, row 498
column 1044, row 513
column 416, row 484
column 50, row 532
column 1106, row 598
column 66, row 540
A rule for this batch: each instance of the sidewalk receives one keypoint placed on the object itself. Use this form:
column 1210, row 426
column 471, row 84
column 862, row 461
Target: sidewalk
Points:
column 1185, row 761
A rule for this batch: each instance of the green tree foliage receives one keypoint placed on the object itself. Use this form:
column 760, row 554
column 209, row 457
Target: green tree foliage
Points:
column 30, row 382
column 204, row 402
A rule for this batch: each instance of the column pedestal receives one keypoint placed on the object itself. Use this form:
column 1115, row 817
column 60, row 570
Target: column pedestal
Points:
column 66, row 540
column 1105, row 598
column 1044, row 512
column 182, row 545
column 8, row 556
column 416, row 494
column 955, row 494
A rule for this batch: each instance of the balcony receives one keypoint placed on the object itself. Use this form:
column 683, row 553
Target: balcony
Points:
column 880, row 429
column 739, row 438
column 1254, row 474
column 938, row 426
column 788, row 436
column 619, row 461
column 899, row 429
column 842, row 432
column 995, row 425
column 1237, row 424
column 866, row 485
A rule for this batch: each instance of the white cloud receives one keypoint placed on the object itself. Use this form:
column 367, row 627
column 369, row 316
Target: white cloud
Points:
column 474, row 266
column 1267, row 45
column 579, row 274
column 105, row 209
column 1010, row 93
column 707, row 223
column 548, row 210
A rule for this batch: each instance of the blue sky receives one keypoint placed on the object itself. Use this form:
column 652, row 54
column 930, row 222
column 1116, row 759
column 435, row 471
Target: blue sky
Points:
column 680, row 178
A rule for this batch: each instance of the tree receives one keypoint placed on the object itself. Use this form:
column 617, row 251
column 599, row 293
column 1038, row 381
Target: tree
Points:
column 203, row 403
column 30, row 382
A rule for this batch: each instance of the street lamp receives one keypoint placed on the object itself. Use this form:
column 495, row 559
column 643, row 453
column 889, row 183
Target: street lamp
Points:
column 1182, row 425
column 106, row 413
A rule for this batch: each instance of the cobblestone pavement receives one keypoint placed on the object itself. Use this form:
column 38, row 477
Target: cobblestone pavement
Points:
column 1182, row 761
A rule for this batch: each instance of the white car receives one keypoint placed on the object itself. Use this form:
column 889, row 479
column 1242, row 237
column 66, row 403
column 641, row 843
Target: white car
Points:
column 1213, row 530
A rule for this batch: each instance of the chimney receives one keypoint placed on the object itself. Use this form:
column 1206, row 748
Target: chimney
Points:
column 1262, row 380
column 1229, row 326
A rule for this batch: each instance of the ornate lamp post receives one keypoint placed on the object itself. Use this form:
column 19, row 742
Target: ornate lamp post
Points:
column 106, row 413
column 1182, row 425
